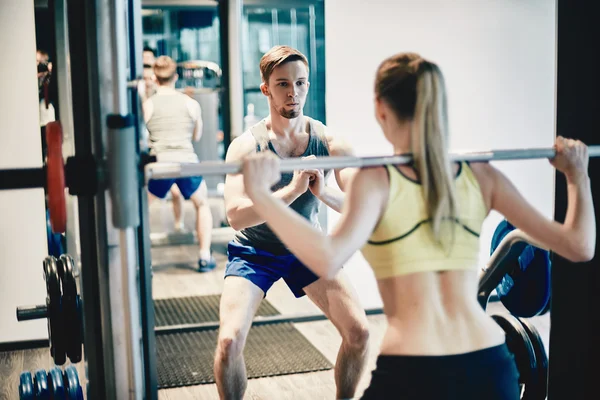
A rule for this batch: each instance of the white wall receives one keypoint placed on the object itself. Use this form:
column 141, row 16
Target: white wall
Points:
column 498, row 58
column 23, row 243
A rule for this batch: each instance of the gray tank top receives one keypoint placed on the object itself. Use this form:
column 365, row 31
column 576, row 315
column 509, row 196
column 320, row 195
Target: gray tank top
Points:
column 307, row 205
column 171, row 128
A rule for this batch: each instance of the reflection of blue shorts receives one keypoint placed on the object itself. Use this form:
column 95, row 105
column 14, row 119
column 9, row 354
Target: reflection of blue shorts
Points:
column 264, row 269
column 187, row 186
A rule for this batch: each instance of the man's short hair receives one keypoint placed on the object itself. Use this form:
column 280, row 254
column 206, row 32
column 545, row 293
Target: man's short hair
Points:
column 164, row 69
column 150, row 49
column 277, row 56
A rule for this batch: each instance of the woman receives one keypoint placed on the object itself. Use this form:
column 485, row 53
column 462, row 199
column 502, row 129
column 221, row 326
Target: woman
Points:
column 418, row 227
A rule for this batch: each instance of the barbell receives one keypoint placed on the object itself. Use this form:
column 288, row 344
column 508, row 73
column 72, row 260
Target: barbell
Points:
column 84, row 175
column 164, row 170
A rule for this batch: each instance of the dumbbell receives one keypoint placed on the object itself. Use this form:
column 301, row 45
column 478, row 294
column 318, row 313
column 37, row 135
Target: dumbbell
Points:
column 525, row 343
column 55, row 384
column 62, row 309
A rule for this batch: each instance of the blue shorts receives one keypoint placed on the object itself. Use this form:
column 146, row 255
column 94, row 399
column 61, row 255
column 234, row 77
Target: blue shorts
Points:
column 187, row 186
column 264, row 269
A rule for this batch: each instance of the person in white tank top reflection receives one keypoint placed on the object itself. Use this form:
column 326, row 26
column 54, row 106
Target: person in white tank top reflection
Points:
column 174, row 120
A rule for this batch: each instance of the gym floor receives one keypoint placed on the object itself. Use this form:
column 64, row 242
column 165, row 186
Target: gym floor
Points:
column 174, row 276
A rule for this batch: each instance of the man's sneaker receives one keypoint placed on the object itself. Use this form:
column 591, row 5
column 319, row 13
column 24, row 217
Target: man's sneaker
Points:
column 206, row 265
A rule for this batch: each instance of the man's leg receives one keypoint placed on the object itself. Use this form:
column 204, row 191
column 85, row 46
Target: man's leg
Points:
column 204, row 220
column 339, row 302
column 158, row 188
column 239, row 302
column 177, row 200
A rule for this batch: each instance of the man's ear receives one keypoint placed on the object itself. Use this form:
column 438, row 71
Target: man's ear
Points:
column 264, row 89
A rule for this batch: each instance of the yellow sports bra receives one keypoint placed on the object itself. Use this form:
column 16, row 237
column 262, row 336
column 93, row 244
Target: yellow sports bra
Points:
column 402, row 242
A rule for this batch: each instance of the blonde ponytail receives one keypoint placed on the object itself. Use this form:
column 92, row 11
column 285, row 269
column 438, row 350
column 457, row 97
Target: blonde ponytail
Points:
column 429, row 148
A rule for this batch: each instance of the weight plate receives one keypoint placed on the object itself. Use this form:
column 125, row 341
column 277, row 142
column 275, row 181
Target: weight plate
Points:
column 55, row 384
column 72, row 385
column 55, row 312
column 538, row 389
column 40, row 385
column 519, row 344
column 74, row 348
column 67, row 276
column 26, row 391
column 55, row 177
column 71, row 318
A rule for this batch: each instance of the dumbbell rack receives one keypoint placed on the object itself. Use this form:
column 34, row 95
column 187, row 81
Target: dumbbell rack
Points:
column 55, row 384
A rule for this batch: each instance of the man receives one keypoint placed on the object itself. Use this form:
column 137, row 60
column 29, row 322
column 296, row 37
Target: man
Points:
column 146, row 87
column 44, row 75
column 173, row 120
column 257, row 258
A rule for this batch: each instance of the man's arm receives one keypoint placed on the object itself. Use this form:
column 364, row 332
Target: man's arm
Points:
column 147, row 109
column 338, row 147
column 239, row 208
column 196, row 112
column 334, row 198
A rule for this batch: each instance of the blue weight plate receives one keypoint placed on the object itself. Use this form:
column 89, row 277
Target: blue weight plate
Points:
column 26, row 387
column 72, row 385
column 55, row 384
column 40, row 385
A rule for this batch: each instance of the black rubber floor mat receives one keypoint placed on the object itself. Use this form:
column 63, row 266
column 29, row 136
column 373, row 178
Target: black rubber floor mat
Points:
column 196, row 309
column 186, row 359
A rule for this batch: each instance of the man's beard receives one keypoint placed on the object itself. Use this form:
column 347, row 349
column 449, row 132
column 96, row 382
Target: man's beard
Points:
column 291, row 114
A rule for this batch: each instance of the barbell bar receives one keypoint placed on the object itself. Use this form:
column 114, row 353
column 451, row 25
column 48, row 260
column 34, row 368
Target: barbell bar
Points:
column 157, row 170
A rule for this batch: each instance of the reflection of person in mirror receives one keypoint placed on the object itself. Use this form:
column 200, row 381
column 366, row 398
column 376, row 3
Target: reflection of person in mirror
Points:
column 44, row 73
column 147, row 87
column 257, row 258
column 173, row 121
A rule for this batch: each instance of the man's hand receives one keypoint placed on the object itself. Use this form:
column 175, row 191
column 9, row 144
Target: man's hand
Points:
column 302, row 178
column 317, row 183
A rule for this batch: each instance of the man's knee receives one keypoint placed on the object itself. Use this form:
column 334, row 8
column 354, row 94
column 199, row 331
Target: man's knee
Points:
column 357, row 336
column 230, row 345
column 199, row 198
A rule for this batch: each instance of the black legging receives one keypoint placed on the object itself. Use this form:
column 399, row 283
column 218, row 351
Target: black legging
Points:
column 489, row 374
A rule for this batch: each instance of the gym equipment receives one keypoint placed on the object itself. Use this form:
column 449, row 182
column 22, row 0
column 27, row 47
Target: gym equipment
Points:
column 73, row 389
column 54, row 310
column 519, row 343
column 40, row 385
column 79, row 174
column 55, row 177
column 26, row 391
column 55, row 240
column 63, row 309
column 180, row 170
column 539, row 387
column 501, row 263
column 56, row 386
column 71, row 303
column 525, row 289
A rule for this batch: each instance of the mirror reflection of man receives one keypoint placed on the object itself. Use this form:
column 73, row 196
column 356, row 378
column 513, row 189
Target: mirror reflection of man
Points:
column 147, row 86
column 44, row 74
column 174, row 120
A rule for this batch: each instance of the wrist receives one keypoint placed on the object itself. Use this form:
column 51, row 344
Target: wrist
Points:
column 577, row 177
column 322, row 193
column 292, row 191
